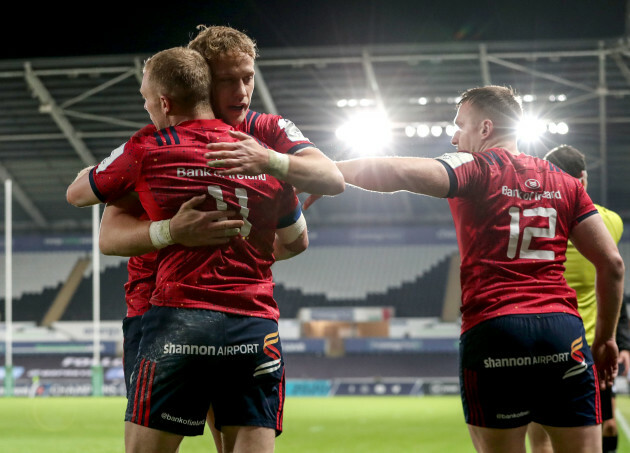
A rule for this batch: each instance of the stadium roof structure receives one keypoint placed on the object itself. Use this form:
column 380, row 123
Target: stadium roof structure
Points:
column 61, row 114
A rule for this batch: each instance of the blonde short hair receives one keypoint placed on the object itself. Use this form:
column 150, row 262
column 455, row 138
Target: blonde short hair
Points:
column 182, row 74
column 217, row 41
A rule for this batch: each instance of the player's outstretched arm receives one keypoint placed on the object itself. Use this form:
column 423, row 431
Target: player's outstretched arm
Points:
column 123, row 233
column 308, row 171
column 592, row 239
column 392, row 174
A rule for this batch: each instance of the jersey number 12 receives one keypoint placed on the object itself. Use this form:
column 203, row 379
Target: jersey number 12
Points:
column 528, row 233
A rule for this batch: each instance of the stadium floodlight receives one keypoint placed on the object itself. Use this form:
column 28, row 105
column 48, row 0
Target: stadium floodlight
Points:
column 562, row 128
column 342, row 103
column 367, row 132
column 450, row 130
column 531, row 129
column 529, row 98
column 436, row 130
column 410, row 130
column 423, row 101
column 558, row 128
column 423, row 130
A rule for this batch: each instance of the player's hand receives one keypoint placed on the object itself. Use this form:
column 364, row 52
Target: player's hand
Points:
column 245, row 157
column 624, row 362
column 605, row 356
column 193, row 228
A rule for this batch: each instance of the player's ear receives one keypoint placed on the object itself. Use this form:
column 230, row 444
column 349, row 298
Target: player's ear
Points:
column 165, row 104
column 584, row 178
column 486, row 128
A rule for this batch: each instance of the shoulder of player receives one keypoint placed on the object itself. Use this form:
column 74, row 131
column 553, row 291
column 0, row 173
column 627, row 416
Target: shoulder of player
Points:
column 144, row 136
column 193, row 132
column 256, row 121
column 146, row 131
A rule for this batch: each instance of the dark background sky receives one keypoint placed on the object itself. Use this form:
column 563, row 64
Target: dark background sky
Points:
column 102, row 28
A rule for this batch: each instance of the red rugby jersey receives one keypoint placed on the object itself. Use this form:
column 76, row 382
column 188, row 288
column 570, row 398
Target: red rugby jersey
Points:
column 277, row 132
column 167, row 168
column 280, row 134
column 513, row 216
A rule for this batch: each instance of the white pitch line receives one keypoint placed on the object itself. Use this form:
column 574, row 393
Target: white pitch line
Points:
column 623, row 423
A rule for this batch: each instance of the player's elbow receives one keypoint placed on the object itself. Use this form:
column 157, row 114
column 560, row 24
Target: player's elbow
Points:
column 612, row 267
column 338, row 186
column 335, row 182
column 617, row 266
column 73, row 197
column 105, row 245
column 80, row 192
column 299, row 245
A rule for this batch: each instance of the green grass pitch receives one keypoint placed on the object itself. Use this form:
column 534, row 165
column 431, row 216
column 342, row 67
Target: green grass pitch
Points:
column 338, row 424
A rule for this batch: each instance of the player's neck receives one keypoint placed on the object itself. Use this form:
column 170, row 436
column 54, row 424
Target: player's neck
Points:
column 506, row 144
column 201, row 114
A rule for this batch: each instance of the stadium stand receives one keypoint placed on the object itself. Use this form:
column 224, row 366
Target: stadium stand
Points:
column 420, row 297
column 354, row 272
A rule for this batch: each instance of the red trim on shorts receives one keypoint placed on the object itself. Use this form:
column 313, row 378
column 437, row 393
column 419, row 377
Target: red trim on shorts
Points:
column 135, row 397
column 280, row 403
column 147, row 409
column 598, row 400
column 142, row 398
column 472, row 396
column 141, row 420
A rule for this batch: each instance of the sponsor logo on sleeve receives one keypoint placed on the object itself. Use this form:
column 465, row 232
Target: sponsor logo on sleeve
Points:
column 292, row 131
column 111, row 158
column 455, row 160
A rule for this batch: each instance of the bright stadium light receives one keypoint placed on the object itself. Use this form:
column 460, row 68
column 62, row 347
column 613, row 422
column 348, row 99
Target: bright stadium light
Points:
column 450, row 130
column 423, row 130
column 528, row 98
column 410, row 131
column 558, row 128
column 366, row 133
column 436, row 130
column 531, row 128
column 562, row 128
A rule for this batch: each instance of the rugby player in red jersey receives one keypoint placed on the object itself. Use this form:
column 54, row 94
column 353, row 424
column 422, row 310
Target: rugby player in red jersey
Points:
column 211, row 336
column 523, row 352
